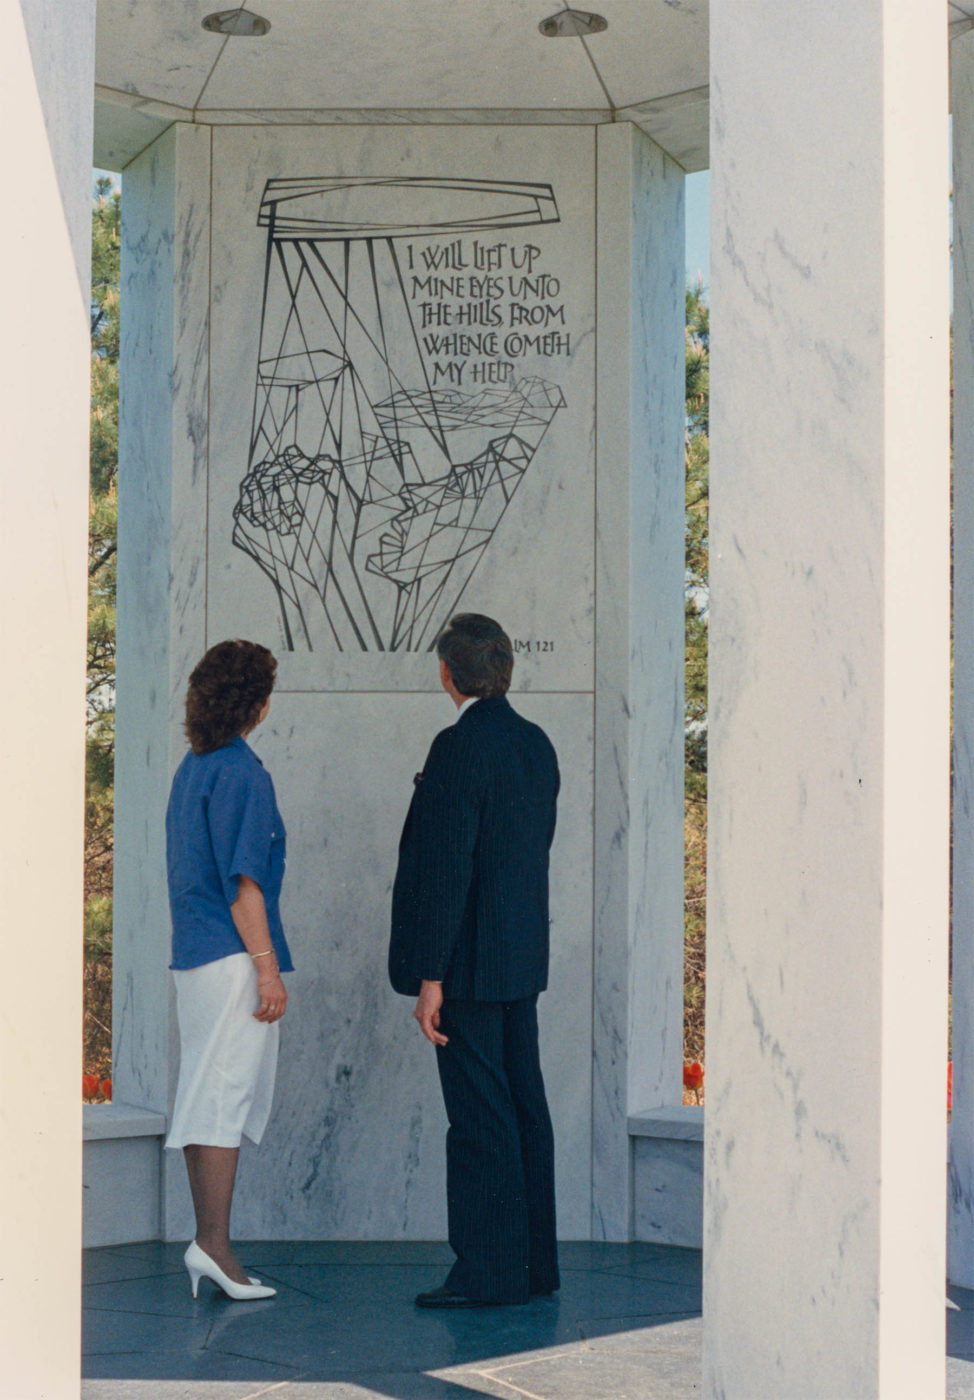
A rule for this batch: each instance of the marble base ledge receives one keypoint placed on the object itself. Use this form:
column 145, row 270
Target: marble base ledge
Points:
column 120, row 1120
column 679, row 1121
column 667, row 1146
column 122, row 1174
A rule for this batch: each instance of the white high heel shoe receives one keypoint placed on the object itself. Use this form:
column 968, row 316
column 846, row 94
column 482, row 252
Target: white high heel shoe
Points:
column 200, row 1265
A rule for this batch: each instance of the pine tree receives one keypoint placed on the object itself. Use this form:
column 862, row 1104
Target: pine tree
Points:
column 102, row 543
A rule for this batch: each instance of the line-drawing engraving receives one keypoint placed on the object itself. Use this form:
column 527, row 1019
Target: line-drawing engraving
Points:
column 370, row 493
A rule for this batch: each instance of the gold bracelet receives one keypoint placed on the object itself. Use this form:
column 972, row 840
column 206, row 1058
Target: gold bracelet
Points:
column 266, row 954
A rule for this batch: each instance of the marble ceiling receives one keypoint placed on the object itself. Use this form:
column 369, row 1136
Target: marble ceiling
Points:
column 407, row 61
column 401, row 61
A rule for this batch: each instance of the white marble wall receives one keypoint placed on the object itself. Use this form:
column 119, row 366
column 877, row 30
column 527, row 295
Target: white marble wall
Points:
column 668, row 1176
column 162, row 515
column 163, row 437
column 355, row 1145
column 827, row 897
column 961, row 1177
column 668, row 1191
column 639, row 658
column 47, row 75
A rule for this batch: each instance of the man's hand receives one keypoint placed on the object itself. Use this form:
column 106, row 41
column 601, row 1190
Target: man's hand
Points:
column 427, row 1012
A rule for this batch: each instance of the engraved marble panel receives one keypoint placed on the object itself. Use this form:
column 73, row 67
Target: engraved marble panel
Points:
column 341, row 561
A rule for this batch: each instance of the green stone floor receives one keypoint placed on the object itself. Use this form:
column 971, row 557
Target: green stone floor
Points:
column 625, row 1326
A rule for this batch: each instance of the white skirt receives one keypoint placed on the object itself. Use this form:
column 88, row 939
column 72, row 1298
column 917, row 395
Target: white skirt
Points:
column 227, row 1060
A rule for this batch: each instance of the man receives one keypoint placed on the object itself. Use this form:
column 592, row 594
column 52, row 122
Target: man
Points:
column 470, row 938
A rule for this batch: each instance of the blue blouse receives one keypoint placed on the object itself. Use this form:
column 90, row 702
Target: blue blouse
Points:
column 222, row 822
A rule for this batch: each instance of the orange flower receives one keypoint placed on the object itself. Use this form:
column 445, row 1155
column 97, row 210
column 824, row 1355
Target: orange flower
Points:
column 693, row 1075
column 89, row 1086
column 105, row 1089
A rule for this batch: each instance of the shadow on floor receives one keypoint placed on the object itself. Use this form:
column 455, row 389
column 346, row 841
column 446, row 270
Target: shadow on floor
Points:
column 625, row 1326
column 344, row 1315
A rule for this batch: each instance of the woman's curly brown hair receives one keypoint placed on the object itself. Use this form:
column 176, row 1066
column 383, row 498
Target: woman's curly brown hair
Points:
column 227, row 692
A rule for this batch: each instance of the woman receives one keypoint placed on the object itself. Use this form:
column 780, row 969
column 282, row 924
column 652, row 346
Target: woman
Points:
column 225, row 851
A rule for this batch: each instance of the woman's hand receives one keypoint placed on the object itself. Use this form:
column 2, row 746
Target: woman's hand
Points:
column 249, row 914
column 273, row 999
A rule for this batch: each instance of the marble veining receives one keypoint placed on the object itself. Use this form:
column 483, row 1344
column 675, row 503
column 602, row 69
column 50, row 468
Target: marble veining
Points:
column 355, row 1144
column 161, row 477
column 140, row 1018
column 828, row 754
column 668, row 1191
column 354, row 1148
column 639, row 659
column 62, row 55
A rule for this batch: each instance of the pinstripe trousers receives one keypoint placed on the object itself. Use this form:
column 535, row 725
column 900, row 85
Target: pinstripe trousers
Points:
column 500, row 1162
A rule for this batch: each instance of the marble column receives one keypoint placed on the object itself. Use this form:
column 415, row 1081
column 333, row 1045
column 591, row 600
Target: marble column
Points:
column 638, row 993
column 960, row 1259
column 45, row 246
column 163, row 435
column 830, row 671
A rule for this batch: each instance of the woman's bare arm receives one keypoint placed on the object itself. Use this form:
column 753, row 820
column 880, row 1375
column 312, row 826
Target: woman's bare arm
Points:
column 249, row 914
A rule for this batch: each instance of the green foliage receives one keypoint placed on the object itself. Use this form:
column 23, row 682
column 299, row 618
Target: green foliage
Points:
column 105, row 307
column 696, row 605
column 102, row 545
column 98, row 927
column 103, row 522
column 697, row 538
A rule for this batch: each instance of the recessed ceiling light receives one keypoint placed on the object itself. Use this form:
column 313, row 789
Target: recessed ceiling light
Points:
column 240, row 23
column 571, row 24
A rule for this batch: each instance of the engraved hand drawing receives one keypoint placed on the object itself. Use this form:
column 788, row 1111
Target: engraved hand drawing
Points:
column 373, row 488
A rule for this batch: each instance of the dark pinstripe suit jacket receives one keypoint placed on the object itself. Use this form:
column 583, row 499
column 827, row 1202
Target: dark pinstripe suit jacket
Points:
column 470, row 900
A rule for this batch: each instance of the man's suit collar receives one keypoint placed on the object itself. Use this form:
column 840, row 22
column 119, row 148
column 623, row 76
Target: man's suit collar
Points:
column 491, row 704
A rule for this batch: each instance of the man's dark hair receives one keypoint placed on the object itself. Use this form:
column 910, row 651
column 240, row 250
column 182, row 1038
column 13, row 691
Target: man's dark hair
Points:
column 227, row 692
column 478, row 655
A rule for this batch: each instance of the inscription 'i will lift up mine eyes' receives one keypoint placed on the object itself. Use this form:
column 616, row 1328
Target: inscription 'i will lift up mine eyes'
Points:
column 485, row 257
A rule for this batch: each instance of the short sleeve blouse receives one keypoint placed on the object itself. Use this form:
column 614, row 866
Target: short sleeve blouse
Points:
column 222, row 822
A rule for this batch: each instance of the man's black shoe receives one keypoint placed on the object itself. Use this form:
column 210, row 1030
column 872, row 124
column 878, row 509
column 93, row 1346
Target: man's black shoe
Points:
column 444, row 1297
